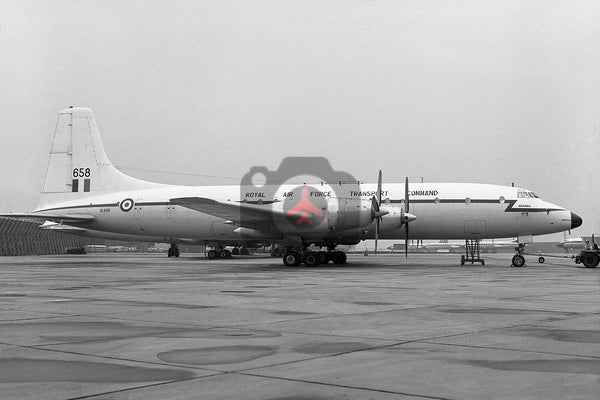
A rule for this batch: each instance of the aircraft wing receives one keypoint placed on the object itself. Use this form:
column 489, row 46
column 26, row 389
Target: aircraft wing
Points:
column 43, row 217
column 260, row 217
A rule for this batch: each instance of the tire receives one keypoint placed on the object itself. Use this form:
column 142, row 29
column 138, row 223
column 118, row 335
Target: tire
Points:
column 312, row 259
column 223, row 253
column 325, row 257
column 590, row 260
column 338, row 257
column 518, row 261
column 292, row 259
column 212, row 254
column 541, row 260
column 462, row 260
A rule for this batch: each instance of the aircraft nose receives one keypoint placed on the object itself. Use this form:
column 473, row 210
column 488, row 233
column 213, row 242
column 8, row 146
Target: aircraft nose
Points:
column 576, row 220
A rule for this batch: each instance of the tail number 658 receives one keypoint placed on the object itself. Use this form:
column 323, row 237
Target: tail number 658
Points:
column 81, row 173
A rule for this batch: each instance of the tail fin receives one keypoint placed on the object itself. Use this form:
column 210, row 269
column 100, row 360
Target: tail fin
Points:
column 78, row 166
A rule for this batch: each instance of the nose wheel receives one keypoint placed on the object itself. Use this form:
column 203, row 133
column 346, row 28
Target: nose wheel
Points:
column 518, row 260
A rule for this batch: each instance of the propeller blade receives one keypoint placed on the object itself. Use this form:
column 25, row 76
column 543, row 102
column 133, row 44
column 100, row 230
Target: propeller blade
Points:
column 406, row 240
column 379, row 188
column 407, row 204
column 406, row 208
column 378, row 202
column 376, row 233
column 375, row 205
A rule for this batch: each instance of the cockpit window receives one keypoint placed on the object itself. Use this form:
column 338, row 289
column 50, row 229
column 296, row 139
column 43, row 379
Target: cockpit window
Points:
column 526, row 195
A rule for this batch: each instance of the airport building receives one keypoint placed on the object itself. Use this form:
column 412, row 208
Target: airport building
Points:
column 19, row 238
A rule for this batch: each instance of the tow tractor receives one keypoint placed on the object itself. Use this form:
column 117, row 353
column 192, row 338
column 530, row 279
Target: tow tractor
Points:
column 590, row 256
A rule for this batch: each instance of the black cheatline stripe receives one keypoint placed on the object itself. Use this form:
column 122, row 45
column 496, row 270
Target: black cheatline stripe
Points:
column 257, row 202
column 510, row 204
column 509, row 208
column 450, row 201
column 157, row 203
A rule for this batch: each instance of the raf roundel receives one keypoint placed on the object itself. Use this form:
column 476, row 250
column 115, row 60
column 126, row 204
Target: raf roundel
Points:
column 126, row 205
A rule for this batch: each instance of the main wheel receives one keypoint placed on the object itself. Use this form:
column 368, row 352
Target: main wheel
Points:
column 338, row 257
column 518, row 261
column 312, row 259
column 292, row 259
column 590, row 260
column 541, row 260
column 325, row 257
column 212, row 254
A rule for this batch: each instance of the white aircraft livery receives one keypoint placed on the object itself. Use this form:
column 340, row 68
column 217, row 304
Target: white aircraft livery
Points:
column 84, row 194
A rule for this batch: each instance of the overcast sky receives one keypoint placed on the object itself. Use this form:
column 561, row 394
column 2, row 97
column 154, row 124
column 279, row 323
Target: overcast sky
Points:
column 462, row 91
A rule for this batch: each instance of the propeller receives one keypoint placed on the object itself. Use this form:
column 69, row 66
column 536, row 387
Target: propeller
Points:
column 377, row 213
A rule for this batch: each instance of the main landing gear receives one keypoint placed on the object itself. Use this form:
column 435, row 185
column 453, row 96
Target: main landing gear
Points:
column 313, row 258
column 173, row 251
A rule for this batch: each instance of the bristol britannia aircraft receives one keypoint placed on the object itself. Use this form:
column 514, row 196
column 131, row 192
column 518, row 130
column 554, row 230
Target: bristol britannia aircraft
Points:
column 84, row 194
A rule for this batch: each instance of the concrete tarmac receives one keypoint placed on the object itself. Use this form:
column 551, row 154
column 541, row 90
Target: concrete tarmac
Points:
column 123, row 326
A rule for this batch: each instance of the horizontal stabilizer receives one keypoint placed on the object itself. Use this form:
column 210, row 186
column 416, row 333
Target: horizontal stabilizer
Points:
column 55, row 226
column 41, row 217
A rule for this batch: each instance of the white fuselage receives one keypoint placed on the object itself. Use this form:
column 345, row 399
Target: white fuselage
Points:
column 442, row 210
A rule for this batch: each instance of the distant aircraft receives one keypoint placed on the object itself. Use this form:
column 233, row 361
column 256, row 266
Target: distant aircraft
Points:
column 493, row 245
column 572, row 243
column 452, row 247
column 84, row 194
column 443, row 246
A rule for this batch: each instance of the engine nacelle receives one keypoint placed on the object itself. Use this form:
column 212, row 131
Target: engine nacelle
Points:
column 393, row 220
column 349, row 213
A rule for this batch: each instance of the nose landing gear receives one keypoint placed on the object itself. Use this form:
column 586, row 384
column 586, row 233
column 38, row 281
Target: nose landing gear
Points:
column 518, row 260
